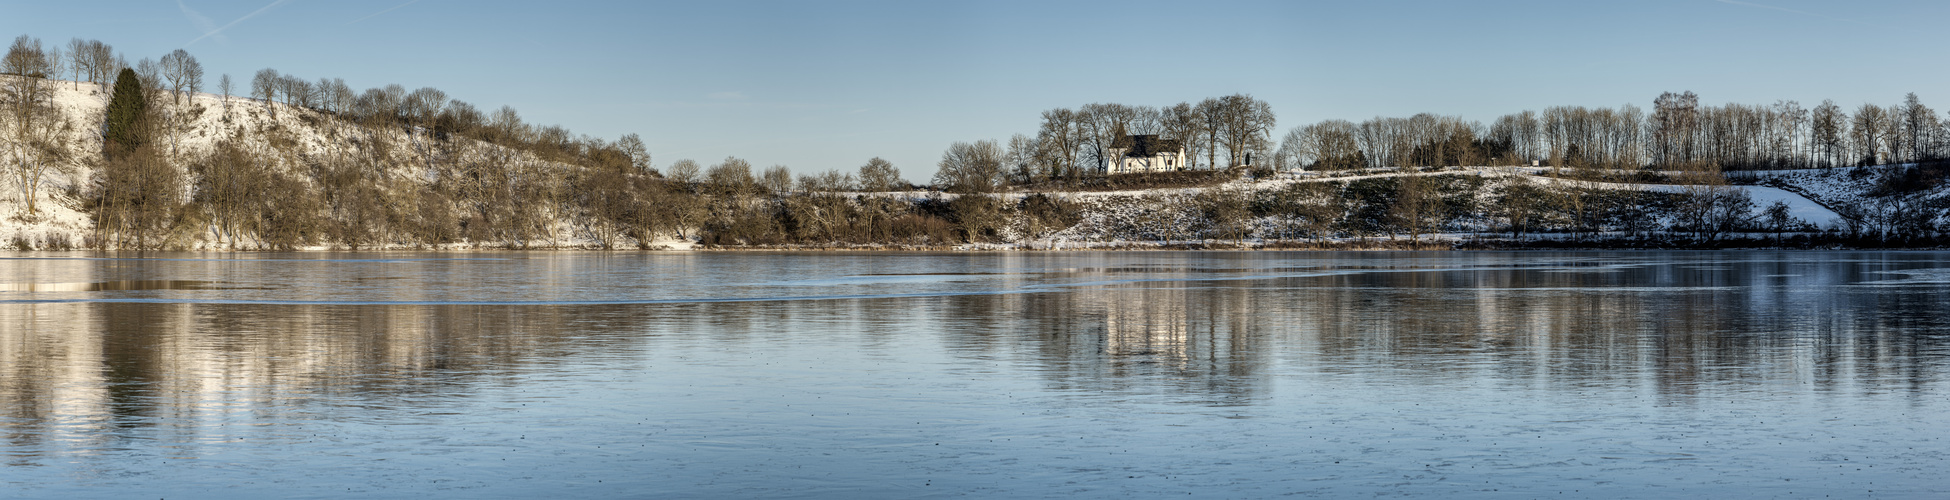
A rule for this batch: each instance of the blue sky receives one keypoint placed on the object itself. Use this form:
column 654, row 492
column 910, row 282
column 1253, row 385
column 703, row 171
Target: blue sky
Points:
column 824, row 85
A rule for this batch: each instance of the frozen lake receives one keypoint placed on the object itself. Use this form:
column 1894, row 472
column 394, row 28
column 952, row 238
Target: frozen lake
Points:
column 1748, row 374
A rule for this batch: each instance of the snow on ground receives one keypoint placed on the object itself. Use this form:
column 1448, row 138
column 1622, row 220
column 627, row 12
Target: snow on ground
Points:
column 57, row 225
column 56, row 222
column 1825, row 185
column 205, row 118
column 1841, row 187
column 198, row 122
column 672, row 244
column 1800, row 206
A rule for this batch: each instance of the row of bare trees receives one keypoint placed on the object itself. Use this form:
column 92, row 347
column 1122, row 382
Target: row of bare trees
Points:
column 1423, row 139
column 1786, row 135
column 1678, row 133
column 1216, row 132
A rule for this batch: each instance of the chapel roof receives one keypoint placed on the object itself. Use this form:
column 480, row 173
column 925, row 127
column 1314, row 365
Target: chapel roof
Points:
column 1146, row 145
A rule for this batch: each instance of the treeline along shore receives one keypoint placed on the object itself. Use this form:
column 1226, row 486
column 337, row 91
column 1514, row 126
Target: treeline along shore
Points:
column 104, row 154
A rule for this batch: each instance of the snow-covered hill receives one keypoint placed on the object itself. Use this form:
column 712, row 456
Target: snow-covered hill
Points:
column 432, row 190
column 292, row 140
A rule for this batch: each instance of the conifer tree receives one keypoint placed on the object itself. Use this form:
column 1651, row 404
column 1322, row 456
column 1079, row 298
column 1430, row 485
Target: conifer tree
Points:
column 126, row 107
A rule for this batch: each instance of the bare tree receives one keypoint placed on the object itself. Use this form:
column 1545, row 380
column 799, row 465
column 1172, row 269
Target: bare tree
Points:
column 92, row 60
column 297, row 91
column 1526, row 132
column 1870, row 137
column 1185, row 123
column 880, row 175
column 777, row 179
column 183, row 73
column 505, row 124
column 336, row 96
column 1675, row 121
column 1144, row 120
column 1328, row 145
column 1022, row 161
column 224, row 84
column 385, row 105
column 731, row 176
column 423, row 105
column 139, row 199
column 394, row 98
column 106, row 65
column 26, row 58
column 1630, row 137
column 970, row 167
column 1061, row 138
column 460, row 116
column 1227, row 211
column 1828, row 132
column 1211, row 115
column 1917, row 123
column 1102, row 124
column 57, row 62
column 632, row 145
column 683, row 171
column 265, row 87
column 1791, row 121
column 827, row 182
column 1779, row 217
column 1245, row 127
column 324, row 96
column 1519, row 203
column 342, row 98
column 1417, row 206
column 79, row 62
column 36, row 133
column 150, row 74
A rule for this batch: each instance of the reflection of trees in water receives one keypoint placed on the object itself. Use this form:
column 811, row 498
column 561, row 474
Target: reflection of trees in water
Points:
column 68, row 371
column 50, row 366
column 1672, row 328
column 1123, row 339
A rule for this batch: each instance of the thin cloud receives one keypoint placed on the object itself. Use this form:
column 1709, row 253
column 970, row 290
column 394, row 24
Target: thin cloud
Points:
column 1785, row 9
column 726, row 96
column 219, row 31
column 202, row 23
column 1759, row 6
column 376, row 14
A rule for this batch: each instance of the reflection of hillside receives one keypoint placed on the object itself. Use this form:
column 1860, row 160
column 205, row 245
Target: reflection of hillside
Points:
column 69, row 370
column 51, row 380
column 1163, row 337
column 1671, row 329
column 1148, row 322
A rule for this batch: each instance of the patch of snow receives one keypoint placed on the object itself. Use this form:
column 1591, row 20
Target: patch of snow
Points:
column 1799, row 206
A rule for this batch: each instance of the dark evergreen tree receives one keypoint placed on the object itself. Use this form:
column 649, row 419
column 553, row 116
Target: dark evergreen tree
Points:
column 126, row 107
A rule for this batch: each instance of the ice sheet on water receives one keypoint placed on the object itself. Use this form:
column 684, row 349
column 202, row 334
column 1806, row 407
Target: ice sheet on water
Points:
column 1932, row 276
column 879, row 279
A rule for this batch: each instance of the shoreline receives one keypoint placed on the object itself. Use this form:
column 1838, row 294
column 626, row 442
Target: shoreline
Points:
column 1933, row 244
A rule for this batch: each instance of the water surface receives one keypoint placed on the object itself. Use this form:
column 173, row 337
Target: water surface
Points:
column 1251, row 374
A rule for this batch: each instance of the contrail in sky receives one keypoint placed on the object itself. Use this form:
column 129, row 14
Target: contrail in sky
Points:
column 202, row 23
column 376, row 14
column 234, row 23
